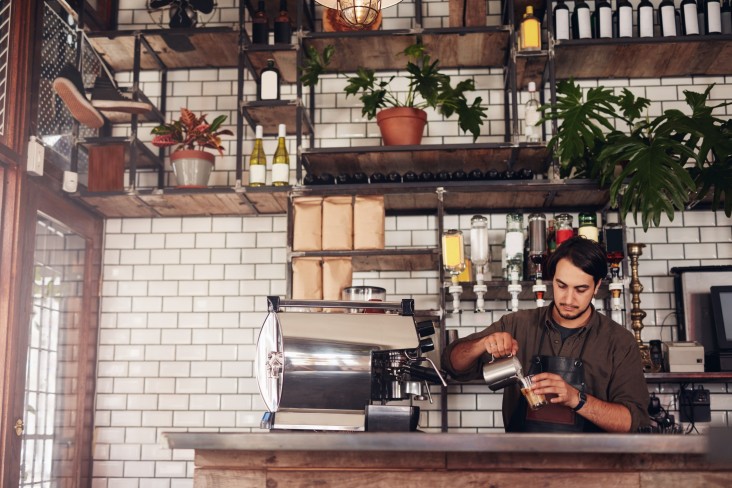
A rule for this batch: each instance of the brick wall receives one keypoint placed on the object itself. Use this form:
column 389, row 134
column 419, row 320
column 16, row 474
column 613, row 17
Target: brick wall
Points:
column 183, row 299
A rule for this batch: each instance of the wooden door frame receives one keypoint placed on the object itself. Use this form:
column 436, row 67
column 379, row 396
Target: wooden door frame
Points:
column 37, row 196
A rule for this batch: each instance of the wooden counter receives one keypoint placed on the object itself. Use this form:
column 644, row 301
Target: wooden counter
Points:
column 421, row 460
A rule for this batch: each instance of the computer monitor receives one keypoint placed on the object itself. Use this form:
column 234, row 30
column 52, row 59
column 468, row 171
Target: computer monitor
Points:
column 722, row 312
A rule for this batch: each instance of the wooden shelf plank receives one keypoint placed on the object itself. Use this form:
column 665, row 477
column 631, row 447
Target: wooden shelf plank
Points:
column 208, row 202
column 644, row 58
column 171, row 202
column 472, row 47
column 433, row 158
column 269, row 114
column 117, row 205
column 405, row 259
column 285, row 58
column 530, row 67
column 201, row 47
column 723, row 377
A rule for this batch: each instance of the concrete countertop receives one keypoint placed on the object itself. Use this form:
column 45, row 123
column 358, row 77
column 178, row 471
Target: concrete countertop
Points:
column 441, row 442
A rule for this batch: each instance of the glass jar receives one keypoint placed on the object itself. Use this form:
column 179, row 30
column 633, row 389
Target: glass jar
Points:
column 564, row 230
column 587, row 227
column 479, row 240
column 453, row 254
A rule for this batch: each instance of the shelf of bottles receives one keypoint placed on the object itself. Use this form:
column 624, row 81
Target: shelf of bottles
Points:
column 620, row 41
column 524, row 253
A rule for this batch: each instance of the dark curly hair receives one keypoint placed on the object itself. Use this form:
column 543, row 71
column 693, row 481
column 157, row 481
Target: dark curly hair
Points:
column 586, row 254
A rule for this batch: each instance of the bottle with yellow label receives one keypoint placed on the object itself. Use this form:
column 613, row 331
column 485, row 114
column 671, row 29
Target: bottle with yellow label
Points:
column 530, row 33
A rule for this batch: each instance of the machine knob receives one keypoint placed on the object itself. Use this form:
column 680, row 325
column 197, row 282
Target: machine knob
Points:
column 425, row 328
column 426, row 345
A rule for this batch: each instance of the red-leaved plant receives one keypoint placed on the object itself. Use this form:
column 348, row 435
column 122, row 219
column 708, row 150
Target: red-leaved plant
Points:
column 189, row 132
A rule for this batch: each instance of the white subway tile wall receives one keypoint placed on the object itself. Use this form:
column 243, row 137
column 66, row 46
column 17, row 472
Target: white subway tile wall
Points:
column 183, row 298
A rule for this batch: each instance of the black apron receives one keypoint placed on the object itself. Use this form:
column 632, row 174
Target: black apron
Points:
column 552, row 417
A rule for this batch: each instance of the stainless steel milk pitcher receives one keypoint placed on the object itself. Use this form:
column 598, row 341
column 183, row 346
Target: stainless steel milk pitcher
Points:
column 502, row 372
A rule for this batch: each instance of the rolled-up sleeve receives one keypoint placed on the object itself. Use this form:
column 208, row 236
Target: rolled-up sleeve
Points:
column 628, row 387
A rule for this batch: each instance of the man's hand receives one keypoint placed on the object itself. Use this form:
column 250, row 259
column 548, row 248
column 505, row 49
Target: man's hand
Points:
column 610, row 417
column 500, row 344
column 558, row 390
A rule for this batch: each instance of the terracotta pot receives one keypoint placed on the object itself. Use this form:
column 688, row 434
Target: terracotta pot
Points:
column 192, row 167
column 401, row 126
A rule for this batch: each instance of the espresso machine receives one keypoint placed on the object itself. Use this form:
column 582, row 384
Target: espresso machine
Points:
column 327, row 371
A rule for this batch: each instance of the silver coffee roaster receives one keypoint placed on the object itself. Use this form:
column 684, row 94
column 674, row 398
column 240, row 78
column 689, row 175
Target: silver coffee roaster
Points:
column 337, row 371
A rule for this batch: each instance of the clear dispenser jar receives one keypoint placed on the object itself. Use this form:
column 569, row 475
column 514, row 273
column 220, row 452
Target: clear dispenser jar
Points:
column 588, row 226
column 564, row 230
column 479, row 240
column 515, row 240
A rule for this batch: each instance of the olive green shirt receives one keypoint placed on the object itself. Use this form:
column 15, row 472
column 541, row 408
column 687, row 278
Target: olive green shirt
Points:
column 612, row 361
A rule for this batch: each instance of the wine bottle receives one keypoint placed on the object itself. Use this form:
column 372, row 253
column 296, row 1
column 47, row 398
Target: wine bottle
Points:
column 645, row 19
column 581, row 24
column 377, row 178
column 561, row 21
column 258, row 161
column 726, row 17
column 475, row 175
column 623, row 19
column 530, row 33
column 344, row 179
column 603, row 20
column 689, row 19
column 532, row 133
column 260, row 25
column 326, row 179
column 282, row 25
column 269, row 82
column 281, row 161
column 360, row 178
column 393, row 177
column 667, row 18
column 410, row 177
column 713, row 16
column 701, row 16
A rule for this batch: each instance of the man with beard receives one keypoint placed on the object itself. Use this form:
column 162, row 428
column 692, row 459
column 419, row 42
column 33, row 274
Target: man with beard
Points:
column 588, row 366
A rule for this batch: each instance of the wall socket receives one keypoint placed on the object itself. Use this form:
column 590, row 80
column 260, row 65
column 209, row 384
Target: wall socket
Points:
column 71, row 181
column 36, row 155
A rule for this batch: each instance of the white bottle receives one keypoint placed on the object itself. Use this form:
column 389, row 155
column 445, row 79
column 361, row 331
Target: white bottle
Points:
column 532, row 115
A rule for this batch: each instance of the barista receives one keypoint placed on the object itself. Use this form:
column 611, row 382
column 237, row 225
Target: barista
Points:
column 588, row 366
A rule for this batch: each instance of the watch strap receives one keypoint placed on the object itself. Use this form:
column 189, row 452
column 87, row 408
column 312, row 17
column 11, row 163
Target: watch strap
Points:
column 582, row 400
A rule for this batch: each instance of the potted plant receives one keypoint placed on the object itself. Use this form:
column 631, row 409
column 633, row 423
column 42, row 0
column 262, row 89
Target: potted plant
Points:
column 402, row 119
column 651, row 165
column 192, row 166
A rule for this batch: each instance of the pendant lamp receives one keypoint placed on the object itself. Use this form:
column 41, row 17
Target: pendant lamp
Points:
column 358, row 13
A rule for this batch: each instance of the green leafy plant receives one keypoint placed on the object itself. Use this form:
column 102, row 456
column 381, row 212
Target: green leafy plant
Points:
column 427, row 87
column 652, row 166
column 190, row 131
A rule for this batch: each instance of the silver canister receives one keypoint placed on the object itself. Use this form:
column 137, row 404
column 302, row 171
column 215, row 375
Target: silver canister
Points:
column 500, row 373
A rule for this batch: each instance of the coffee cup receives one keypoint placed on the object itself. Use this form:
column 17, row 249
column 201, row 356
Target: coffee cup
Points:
column 535, row 400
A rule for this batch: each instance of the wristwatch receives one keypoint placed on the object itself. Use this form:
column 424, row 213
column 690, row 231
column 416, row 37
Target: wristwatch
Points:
column 582, row 400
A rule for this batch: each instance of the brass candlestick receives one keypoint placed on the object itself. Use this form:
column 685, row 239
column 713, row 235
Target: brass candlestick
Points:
column 635, row 250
